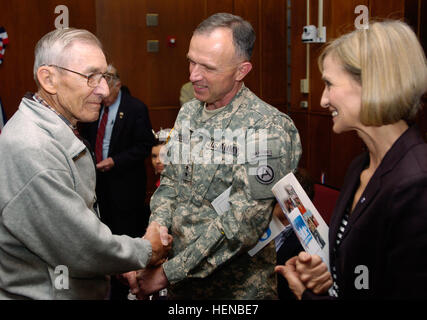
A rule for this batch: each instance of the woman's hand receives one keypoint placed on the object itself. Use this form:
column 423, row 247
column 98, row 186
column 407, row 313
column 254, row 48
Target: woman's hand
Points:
column 306, row 271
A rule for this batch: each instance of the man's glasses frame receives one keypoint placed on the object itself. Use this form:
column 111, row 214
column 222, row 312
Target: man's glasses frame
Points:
column 93, row 79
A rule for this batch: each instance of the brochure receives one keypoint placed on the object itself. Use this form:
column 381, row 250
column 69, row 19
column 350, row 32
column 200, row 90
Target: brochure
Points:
column 221, row 204
column 274, row 229
column 308, row 224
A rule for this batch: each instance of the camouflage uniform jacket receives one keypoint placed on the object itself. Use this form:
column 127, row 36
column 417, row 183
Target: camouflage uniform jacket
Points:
column 209, row 258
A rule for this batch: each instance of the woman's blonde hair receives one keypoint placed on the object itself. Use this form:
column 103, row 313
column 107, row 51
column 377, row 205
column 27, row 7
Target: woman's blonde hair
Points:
column 389, row 63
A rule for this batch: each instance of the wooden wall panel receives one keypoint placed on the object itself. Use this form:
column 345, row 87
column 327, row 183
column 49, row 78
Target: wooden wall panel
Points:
column 339, row 19
column 422, row 23
column 412, row 14
column 26, row 21
column 273, row 53
column 390, row 9
column 416, row 17
column 300, row 119
column 155, row 78
column 163, row 117
column 168, row 69
column 422, row 119
column 342, row 16
column 344, row 148
column 319, row 137
column 118, row 23
column 215, row 6
column 250, row 10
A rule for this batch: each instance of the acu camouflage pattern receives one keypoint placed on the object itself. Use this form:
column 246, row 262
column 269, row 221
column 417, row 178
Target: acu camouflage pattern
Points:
column 209, row 258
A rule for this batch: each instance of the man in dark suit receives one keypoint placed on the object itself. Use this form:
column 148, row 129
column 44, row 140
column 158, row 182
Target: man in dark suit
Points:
column 120, row 154
column 121, row 139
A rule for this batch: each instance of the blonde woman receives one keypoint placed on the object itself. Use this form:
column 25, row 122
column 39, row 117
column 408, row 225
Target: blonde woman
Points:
column 374, row 80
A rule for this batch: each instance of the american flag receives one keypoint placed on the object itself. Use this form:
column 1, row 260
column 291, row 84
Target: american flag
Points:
column 2, row 117
column 4, row 41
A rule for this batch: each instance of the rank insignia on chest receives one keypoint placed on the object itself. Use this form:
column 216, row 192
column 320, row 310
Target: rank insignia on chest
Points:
column 223, row 147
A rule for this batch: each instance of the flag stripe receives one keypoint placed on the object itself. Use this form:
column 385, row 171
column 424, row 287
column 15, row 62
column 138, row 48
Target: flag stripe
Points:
column 2, row 116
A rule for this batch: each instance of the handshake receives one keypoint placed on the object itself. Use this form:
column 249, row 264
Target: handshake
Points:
column 146, row 281
column 161, row 242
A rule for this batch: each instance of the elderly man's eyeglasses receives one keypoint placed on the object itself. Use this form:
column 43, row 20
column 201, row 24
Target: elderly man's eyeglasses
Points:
column 94, row 79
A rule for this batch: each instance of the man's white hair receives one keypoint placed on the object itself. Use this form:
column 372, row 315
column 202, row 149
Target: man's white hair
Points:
column 50, row 49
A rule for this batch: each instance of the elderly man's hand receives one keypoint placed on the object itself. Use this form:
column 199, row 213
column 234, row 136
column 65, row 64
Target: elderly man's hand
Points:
column 161, row 242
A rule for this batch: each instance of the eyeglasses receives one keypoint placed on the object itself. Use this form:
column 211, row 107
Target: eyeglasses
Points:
column 94, row 79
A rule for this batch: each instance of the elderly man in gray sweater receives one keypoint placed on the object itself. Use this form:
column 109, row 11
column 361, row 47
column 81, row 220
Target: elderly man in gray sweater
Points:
column 52, row 242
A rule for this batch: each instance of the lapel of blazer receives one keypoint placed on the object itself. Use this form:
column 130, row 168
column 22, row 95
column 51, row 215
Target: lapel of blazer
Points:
column 119, row 122
column 398, row 150
column 371, row 190
column 346, row 194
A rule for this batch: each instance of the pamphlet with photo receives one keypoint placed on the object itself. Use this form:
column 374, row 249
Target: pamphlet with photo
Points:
column 308, row 224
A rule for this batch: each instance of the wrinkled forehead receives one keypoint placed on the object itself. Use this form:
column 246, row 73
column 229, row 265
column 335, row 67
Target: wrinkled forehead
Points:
column 88, row 57
column 218, row 36
column 214, row 46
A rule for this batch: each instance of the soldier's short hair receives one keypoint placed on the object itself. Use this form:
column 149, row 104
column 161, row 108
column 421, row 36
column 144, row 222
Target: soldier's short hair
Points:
column 243, row 33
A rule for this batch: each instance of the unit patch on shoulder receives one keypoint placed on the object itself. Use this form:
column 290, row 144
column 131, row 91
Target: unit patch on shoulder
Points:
column 264, row 174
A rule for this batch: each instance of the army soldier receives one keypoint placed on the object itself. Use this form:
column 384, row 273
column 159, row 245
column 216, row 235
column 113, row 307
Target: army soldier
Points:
column 209, row 258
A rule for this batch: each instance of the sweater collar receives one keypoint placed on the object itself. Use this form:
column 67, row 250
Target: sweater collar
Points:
column 55, row 125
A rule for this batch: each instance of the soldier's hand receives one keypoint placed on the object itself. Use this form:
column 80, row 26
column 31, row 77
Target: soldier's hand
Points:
column 161, row 242
column 150, row 280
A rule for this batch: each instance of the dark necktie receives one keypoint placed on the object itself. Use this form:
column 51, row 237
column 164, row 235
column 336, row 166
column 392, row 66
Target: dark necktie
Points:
column 100, row 135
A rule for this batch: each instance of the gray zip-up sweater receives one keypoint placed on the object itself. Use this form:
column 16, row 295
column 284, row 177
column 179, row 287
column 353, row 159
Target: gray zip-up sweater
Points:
column 52, row 243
